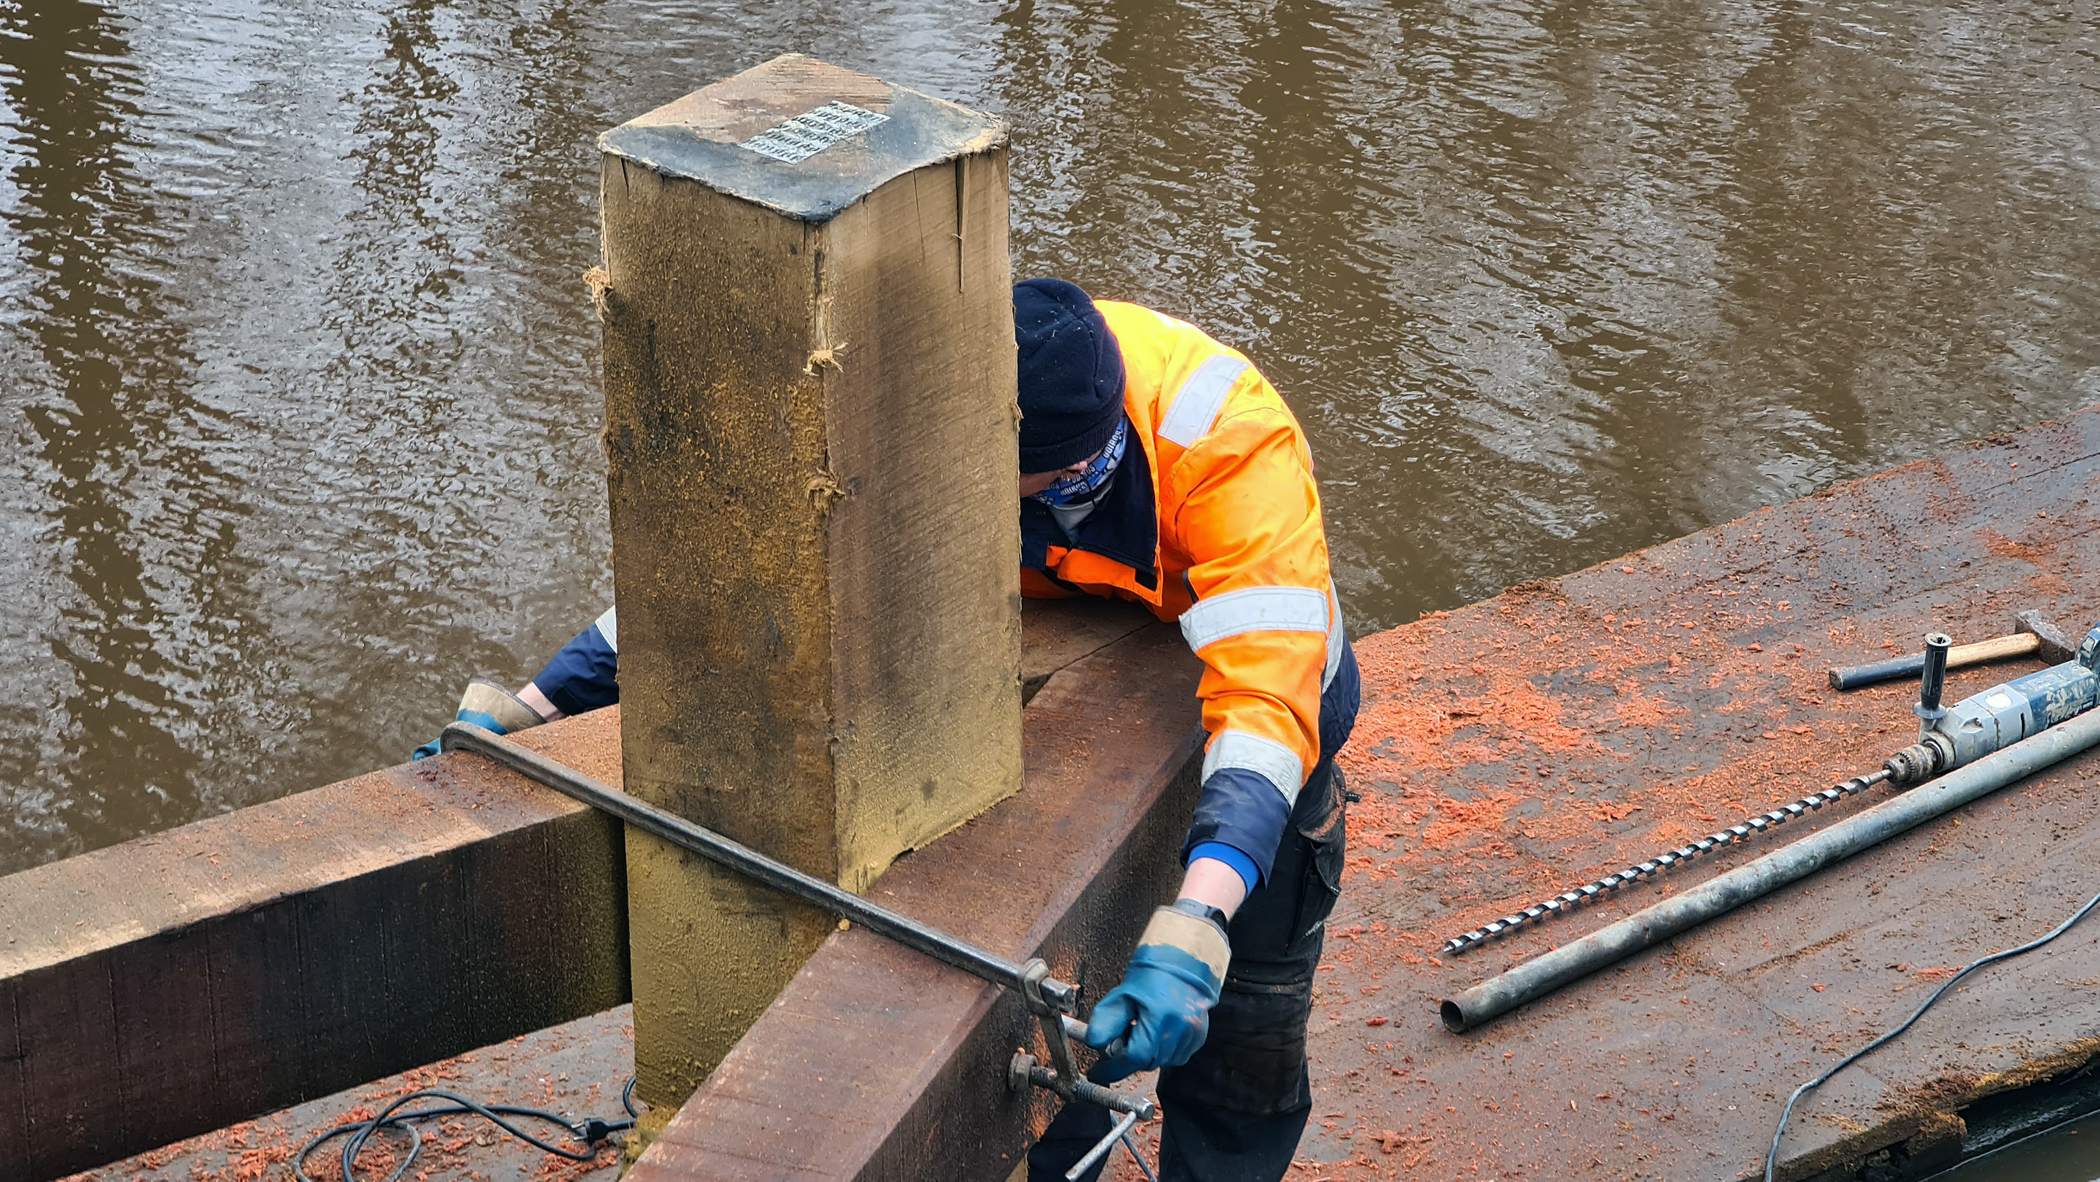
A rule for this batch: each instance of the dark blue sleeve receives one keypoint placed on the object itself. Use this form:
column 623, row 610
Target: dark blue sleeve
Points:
column 584, row 675
column 1240, row 808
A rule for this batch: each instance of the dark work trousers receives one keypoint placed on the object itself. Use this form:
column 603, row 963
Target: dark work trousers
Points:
column 1235, row 1110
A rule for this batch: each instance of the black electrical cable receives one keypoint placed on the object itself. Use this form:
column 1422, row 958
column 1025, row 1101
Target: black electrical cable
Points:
column 588, row 1132
column 1772, row 1156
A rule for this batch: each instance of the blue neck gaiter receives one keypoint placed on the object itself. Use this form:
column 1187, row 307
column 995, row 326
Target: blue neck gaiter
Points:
column 1085, row 486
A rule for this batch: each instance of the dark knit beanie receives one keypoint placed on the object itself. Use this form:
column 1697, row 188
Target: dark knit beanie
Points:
column 1071, row 375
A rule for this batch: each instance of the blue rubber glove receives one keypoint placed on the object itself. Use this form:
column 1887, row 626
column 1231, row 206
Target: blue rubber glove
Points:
column 490, row 707
column 1164, row 1002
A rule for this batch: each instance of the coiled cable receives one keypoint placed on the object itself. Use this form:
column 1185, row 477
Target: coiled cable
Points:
column 589, row 1132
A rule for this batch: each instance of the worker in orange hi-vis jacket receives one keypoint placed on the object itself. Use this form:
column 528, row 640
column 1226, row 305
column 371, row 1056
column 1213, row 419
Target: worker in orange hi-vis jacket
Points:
column 1157, row 465
column 1160, row 466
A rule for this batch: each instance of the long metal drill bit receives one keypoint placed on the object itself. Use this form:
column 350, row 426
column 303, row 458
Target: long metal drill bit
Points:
column 1611, row 882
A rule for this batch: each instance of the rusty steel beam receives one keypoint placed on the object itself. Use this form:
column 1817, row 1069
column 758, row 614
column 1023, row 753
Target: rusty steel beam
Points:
column 876, row 1062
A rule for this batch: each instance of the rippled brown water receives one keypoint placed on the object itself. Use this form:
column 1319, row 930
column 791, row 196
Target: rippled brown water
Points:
column 297, row 431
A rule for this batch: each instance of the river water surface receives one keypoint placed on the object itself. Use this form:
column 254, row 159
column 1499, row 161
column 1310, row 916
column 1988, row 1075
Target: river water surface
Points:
column 297, row 426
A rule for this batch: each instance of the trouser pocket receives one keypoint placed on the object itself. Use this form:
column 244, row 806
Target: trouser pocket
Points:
column 1276, row 933
column 1253, row 1060
column 1326, row 838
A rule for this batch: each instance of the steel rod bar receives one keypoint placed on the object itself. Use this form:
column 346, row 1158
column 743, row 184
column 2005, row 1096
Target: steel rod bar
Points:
column 1085, row 1089
column 1076, row 1031
column 939, row 945
column 1100, row 1151
column 1499, row 995
column 1130, row 1143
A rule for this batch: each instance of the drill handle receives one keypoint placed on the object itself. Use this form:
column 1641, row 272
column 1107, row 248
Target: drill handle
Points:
column 1932, row 680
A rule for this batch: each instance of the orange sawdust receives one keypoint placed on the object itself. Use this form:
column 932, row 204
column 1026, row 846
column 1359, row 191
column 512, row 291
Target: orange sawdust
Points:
column 1697, row 696
column 1409, row 728
column 452, row 1148
column 2004, row 547
column 1510, row 751
column 1638, row 709
column 1459, row 819
column 253, row 1164
column 1613, row 810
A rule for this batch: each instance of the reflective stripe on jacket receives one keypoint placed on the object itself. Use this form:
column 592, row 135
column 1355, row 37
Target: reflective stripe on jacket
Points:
column 1214, row 522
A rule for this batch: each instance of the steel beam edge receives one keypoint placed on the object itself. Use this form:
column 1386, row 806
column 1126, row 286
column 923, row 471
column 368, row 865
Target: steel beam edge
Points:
column 877, row 1063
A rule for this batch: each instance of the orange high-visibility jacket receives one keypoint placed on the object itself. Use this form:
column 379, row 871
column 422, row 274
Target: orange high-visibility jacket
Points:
column 1213, row 519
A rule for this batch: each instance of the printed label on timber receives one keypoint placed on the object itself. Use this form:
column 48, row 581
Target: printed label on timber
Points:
column 811, row 132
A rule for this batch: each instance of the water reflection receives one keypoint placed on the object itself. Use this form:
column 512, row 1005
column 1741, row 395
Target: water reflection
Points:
column 302, row 401
column 123, row 524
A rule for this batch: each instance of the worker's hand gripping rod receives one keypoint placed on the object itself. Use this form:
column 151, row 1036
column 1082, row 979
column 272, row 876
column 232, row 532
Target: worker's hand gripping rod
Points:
column 1050, row 999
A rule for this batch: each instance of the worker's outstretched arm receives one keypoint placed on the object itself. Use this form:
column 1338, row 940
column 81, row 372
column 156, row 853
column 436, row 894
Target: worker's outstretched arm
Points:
column 1264, row 623
column 1267, row 629
column 582, row 677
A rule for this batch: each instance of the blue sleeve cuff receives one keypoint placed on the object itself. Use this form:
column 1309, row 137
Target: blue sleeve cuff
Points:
column 584, row 675
column 1232, row 856
column 1239, row 807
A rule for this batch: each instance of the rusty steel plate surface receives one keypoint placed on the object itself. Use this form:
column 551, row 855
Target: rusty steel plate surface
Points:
column 1571, row 726
column 1555, row 733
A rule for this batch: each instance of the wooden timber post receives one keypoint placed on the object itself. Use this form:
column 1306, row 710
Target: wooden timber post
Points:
column 810, row 437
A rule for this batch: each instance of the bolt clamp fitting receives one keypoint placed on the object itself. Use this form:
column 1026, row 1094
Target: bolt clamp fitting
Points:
column 1033, row 974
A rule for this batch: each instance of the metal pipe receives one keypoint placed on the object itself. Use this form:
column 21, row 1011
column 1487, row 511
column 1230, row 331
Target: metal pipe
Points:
column 1499, row 995
column 1566, row 900
column 744, row 860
